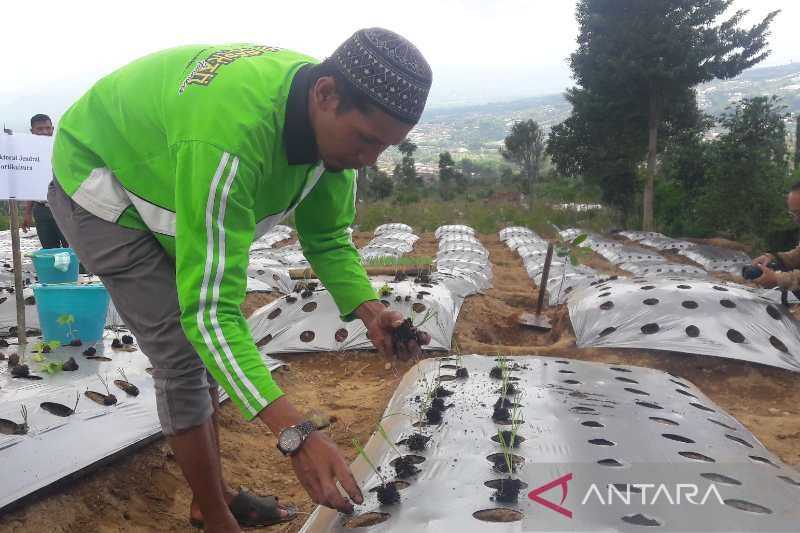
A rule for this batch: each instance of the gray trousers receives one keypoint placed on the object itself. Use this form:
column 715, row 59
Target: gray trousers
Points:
column 140, row 277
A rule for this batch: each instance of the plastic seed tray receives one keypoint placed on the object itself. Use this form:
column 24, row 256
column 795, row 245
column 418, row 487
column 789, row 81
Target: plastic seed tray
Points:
column 687, row 315
column 588, row 429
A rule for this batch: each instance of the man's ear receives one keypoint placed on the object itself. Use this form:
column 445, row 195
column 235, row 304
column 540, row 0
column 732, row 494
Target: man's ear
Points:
column 324, row 94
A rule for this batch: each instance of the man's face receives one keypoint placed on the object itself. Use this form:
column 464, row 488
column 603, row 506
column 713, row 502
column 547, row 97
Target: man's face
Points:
column 351, row 139
column 42, row 127
column 793, row 203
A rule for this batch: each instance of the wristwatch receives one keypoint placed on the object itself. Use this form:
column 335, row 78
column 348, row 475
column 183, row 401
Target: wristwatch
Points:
column 291, row 439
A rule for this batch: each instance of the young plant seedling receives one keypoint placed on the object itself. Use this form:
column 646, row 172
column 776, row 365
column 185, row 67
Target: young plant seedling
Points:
column 9, row 427
column 461, row 370
column 68, row 320
column 403, row 466
column 387, row 492
column 70, row 365
column 508, row 492
column 107, row 399
column 385, row 290
column 59, row 409
column 124, row 384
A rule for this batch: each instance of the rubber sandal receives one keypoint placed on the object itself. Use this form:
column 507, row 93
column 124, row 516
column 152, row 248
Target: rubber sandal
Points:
column 251, row 510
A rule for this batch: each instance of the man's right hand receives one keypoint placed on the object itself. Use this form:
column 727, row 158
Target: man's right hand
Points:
column 318, row 465
column 763, row 260
column 26, row 223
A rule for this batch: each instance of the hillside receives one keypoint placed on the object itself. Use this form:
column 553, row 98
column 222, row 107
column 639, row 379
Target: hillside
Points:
column 477, row 130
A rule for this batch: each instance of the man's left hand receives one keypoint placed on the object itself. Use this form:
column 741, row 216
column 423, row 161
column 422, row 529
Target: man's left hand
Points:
column 768, row 278
column 381, row 323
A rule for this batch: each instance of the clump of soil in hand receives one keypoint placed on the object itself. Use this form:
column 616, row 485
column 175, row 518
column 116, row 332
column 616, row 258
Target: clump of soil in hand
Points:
column 417, row 442
column 91, row 351
column 501, row 414
column 462, row 372
column 509, row 490
column 404, row 467
column 496, row 372
column 405, row 333
column 75, row 343
column 70, row 365
column 388, row 494
column 441, row 392
column 433, row 415
column 127, row 339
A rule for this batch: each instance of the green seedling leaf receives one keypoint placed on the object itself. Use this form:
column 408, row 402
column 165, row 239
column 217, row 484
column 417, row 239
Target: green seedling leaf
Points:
column 63, row 320
column 383, row 434
column 360, row 449
column 38, row 358
column 53, row 367
column 54, row 344
column 579, row 239
column 573, row 260
column 385, row 290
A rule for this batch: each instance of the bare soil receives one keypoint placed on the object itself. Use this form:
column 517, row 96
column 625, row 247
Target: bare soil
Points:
column 146, row 491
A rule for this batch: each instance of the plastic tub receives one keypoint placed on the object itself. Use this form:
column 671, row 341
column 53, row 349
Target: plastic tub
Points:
column 43, row 261
column 69, row 311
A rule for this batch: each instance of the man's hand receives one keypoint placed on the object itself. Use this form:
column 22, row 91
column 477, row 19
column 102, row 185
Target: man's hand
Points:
column 763, row 260
column 381, row 324
column 318, row 463
column 27, row 221
column 768, row 279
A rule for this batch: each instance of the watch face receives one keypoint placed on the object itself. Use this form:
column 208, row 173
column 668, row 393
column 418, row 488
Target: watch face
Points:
column 290, row 440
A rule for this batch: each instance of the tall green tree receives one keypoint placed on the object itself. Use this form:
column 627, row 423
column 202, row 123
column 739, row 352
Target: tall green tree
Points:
column 650, row 54
column 525, row 147
column 451, row 180
column 407, row 181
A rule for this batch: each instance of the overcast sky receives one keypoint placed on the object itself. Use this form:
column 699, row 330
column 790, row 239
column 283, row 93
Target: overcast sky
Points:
column 496, row 48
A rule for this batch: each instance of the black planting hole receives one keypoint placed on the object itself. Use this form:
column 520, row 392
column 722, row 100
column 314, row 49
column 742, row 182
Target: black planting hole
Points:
column 750, row 507
column 583, row 410
column 697, row 457
column 727, row 304
column 777, row 344
column 762, row 460
column 648, row 404
column 608, row 331
column 274, row 313
column 605, row 306
column 499, row 515
column 739, row 440
column 310, row 306
column 593, row 424
column 684, row 287
column 678, row 438
column 719, row 478
column 676, row 382
column 790, row 481
column 717, row 422
column 602, row 442
column 647, row 287
column 718, row 288
column 418, row 307
column 609, row 462
column 690, row 304
column 307, row 336
column 604, row 295
column 701, row 407
column 735, row 336
column 650, row 301
column 692, row 331
column 665, row 421
column 773, row 312
column 566, row 371
column 639, row 519
column 366, row 520
column 620, row 369
column 637, row 391
column 572, row 382
column 626, row 380
column 649, row 329
column 341, row 335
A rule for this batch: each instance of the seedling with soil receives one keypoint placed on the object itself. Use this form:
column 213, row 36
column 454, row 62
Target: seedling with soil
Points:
column 387, row 491
column 404, row 464
column 9, row 427
column 124, row 384
column 107, row 399
column 68, row 320
column 508, row 488
column 61, row 410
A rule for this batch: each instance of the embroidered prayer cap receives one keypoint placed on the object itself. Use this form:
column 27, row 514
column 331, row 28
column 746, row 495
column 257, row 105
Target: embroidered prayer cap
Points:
column 388, row 69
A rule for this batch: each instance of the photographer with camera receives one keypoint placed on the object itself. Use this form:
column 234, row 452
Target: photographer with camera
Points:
column 780, row 269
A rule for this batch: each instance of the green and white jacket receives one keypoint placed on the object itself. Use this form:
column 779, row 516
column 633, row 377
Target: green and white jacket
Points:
column 208, row 147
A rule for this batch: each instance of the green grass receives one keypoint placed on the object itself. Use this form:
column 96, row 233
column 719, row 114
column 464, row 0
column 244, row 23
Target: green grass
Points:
column 484, row 217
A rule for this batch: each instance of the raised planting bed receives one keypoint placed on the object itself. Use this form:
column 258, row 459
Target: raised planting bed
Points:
column 596, row 447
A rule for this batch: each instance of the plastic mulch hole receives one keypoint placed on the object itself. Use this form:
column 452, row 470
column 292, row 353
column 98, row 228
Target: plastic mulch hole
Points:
column 735, row 336
column 274, row 313
column 738, row 440
column 690, row 304
column 637, row 391
column 650, row 301
column 727, row 304
column 307, row 336
column 341, row 335
column 639, row 519
column 684, row 287
column 677, row 438
column 626, row 380
column 701, row 407
column 602, row 442
column 604, row 295
column 610, row 462
column 778, row 345
column 773, row 312
column 649, row 405
column 593, row 424
column 607, row 331
column 605, row 306
column 692, row 331
column 647, row 287
column 717, row 422
column 695, row 456
column 718, row 288
column 750, row 507
column 649, row 329
column 664, row 421
column 366, row 520
column 500, row 514
column 310, row 306
column 762, row 460
column 719, row 478
column 418, row 307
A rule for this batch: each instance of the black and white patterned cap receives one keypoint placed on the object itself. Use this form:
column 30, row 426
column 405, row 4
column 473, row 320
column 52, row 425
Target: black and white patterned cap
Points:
column 388, row 69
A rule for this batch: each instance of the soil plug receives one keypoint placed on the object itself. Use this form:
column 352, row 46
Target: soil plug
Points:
column 91, row 351
column 116, row 343
column 20, row 371
column 61, row 410
column 103, row 399
column 126, row 385
column 438, row 404
column 433, row 416
column 403, row 466
column 9, row 427
column 127, row 340
column 417, row 442
column 70, row 365
column 387, row 492
column 509, row 489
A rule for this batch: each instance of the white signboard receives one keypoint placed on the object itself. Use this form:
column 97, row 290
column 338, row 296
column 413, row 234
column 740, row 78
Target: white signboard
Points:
column 25, row 170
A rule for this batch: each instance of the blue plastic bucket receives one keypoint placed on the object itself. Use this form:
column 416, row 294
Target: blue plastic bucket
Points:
column 43, row 261
column 69, row 311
